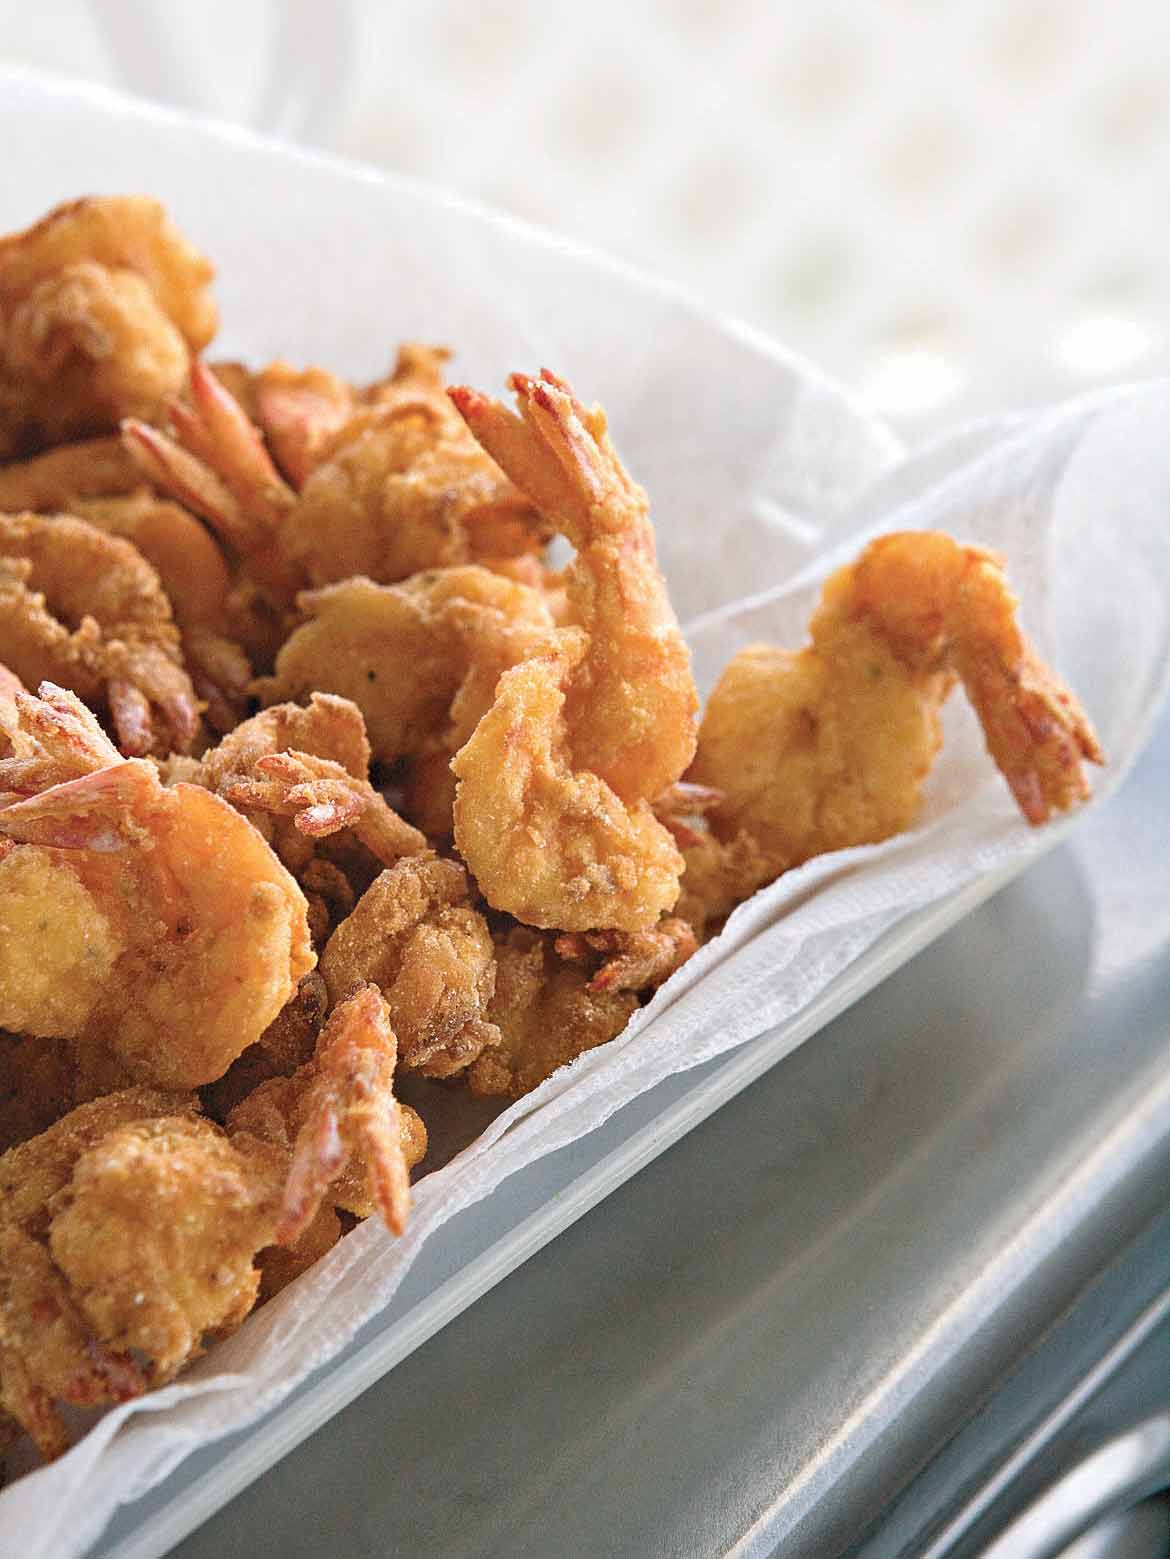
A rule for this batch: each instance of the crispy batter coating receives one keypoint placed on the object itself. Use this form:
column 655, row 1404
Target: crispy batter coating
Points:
column 415, row 935
column 47, row 1351
column 156, row 1234
column 405, row 487
column 35, row 1171
column 178, row 934
column 299, row 774
column 546, row 1012
column 196, row 579
column 552, row 811
column 113, row 1237
column 59, row 478
column 299, row 411
column 86, row 610
column 420, row 659
column 129, row 231
column 825, row 747
column 129, row 1230
column 101, row 303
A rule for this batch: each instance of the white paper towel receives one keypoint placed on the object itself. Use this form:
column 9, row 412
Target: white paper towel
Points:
column 761, row 472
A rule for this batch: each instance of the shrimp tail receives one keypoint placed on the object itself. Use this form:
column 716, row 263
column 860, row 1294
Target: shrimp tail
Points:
column 351, row 1108
column 102, row 811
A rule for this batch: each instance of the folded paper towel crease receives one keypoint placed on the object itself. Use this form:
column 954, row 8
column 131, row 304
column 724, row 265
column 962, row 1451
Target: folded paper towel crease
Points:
column 762, row 474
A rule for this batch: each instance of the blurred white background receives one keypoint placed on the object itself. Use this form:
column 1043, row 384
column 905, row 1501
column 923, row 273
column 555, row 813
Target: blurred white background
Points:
column 956, row 206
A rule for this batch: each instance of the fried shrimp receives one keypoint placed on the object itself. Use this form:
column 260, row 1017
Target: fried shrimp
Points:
column 630, row 960
column 825, row 747
column 130, row 1229
column 414, row 934
column 405, row 487
column 54, row 481
column 420, row 659
column 299, row 774
column 48, row 1354
column 397, row 487
column 299, row 411
column 339, row 1120
column 153, row 923
column 101, row 304
column 547, row 1013
column 86, row 609
column 195, row 576
column 553, row 808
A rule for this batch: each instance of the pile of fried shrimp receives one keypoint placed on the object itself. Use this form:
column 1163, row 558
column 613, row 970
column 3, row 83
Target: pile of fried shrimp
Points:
column 314, row 773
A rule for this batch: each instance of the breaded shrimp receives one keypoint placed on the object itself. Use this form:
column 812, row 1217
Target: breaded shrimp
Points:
column 630, row 960
column 309, row 765
column 399, row 486
column 101, row 304
column 195, row 576
column 421, row 660
column 48, row 1353
column 155, row 923
column 414, row 934
column 86, row 609
column 825, row 747
column 338, row 1119
column 553, row 809
column 299, row 411
column 130, row 1229
column 547, row 1013
column 54, row 481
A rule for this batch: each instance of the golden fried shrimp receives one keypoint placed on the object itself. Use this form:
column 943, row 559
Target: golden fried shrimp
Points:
column 47, row 1351
column 720, row 873
column 299, row 411
column 399, row 486
column 156, row 1235
column 155, row 923
column 630, row 960
column 632, row 709
column 421, row 660
column 308, row 765
column 196, row 579
column 337, row 1110
column 59, row 478
column 122, row 654
column 552, row 811
column 118, row 231
column 48, row 1354
column 826, row 747
column 403, row 487
column 127, row 1237
column 414, row 934
column 546, row 1012
column 101, row 304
